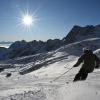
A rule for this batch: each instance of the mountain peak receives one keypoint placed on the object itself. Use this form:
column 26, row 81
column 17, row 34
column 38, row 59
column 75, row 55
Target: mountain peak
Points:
column 78, row 33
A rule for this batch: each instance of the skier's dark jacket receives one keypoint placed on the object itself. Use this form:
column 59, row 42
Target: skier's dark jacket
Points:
column 89, row 60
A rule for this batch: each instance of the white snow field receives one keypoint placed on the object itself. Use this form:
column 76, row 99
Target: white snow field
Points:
column 32, row 76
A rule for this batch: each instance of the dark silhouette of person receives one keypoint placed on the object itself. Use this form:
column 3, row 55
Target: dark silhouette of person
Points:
column 90, row 61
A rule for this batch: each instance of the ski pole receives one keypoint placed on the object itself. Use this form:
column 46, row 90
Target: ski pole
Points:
column 61, row 75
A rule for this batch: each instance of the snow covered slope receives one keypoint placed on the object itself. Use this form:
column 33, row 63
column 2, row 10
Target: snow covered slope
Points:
column 32, row 75
column 55, row 59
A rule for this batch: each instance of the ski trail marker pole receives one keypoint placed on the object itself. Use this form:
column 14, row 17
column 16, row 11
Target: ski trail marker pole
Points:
column 61, row 75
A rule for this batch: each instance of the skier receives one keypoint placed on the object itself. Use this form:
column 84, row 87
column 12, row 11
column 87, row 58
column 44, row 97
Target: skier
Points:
column 90, row 61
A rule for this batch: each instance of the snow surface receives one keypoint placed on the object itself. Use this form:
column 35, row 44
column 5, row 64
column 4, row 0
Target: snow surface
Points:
column 32, row 76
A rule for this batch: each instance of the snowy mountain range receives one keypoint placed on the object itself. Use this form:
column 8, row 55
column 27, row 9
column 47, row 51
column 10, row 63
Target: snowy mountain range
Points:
column 23, row 48
column 34, row 65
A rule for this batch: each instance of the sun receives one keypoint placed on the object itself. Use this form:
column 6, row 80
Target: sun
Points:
column 27, row 20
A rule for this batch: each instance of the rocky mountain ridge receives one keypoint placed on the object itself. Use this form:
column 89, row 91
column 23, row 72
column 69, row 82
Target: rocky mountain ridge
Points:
column 23, row 48
column 79, row 33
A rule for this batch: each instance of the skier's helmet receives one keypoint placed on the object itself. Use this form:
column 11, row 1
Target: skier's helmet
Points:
column 86, row 50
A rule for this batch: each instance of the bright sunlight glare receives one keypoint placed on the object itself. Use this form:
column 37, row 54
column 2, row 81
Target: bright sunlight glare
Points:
column 27, row 20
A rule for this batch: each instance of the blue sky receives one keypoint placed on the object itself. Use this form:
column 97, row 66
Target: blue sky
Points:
column 55, row 18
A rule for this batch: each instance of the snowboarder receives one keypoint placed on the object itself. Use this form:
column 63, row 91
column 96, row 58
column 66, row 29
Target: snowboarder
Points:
column 90, row 61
